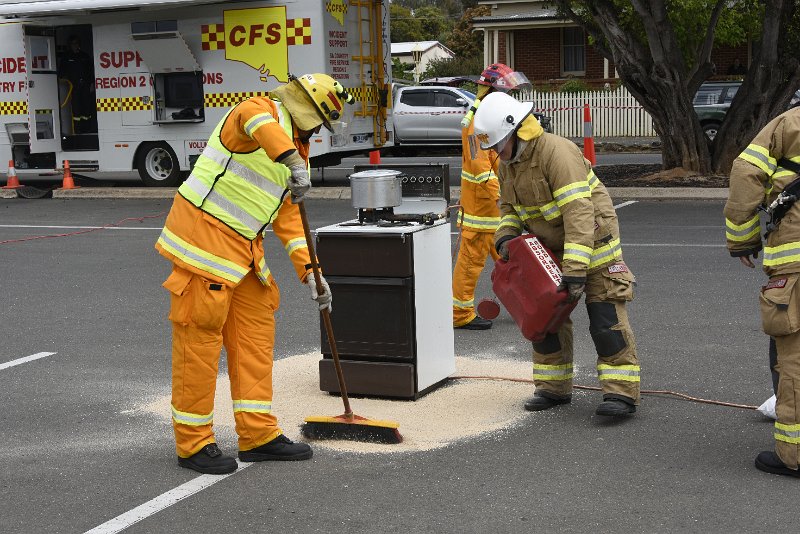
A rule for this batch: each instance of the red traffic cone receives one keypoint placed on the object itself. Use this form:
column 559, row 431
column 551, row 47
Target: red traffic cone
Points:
column 13, row 181
column 375, row 157
column 68, row 182
column 588, row 139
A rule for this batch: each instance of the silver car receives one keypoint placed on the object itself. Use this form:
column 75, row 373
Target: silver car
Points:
column 429, row 114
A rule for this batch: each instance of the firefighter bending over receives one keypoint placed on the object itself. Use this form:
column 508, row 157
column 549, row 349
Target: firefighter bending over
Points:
column 767, row 173
column 480, row 191
column 547, row 188
column 221, row 289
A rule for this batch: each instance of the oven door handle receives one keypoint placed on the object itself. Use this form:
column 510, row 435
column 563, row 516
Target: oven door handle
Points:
column 369, row 281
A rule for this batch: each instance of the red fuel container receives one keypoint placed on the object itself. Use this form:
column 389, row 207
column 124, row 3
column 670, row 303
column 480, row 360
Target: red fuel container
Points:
column 526, row 285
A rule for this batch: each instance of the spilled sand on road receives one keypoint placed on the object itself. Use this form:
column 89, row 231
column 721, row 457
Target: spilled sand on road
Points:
column 458, row 410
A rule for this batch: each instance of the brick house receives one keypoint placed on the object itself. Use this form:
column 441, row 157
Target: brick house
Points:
column 528, row 36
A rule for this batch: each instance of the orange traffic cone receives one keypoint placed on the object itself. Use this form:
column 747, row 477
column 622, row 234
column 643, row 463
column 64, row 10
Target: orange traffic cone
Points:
column 375, row 157
column 68, row 182
column 588, row 139
column 13, row 181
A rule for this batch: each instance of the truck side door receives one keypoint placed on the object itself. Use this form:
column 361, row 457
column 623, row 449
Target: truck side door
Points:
column 43, row 105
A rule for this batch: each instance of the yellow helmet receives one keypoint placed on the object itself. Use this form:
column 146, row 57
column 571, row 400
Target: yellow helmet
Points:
column 328, row 95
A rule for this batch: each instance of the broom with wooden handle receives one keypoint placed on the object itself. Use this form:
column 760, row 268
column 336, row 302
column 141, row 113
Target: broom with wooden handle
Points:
column 347, row 426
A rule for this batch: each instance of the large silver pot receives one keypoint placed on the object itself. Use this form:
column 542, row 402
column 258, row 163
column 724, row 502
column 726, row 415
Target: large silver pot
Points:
column 376, row 189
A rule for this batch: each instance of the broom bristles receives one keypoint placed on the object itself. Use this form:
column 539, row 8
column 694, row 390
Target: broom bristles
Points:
column 351, row 428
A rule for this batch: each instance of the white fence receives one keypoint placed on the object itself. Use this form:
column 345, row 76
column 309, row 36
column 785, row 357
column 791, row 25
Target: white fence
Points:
column 614, row 113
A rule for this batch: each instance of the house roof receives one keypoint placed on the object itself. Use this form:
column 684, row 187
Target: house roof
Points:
column 538, row 16
column 406, row 48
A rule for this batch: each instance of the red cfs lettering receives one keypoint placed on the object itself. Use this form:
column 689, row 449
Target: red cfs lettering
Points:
column 120, row 58
column 240, row 34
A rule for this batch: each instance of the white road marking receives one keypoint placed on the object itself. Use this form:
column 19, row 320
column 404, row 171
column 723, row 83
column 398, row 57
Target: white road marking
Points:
column 628, row 203
column 165, row 500
column 26, row 359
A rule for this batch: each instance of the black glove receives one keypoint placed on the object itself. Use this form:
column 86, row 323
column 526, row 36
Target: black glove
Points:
column 502, row 249
column 574, row 290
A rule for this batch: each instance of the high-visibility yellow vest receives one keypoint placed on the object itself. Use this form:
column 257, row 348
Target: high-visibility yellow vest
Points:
column 243, row 190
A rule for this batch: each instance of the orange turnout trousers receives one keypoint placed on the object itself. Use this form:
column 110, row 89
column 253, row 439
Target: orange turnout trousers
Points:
column 205, row 317
column 475, row 248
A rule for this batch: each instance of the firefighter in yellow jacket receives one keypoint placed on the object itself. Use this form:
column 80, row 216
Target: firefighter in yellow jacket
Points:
column 763, row 174
column 550, row 190
column 251, row 174
column 479, row 215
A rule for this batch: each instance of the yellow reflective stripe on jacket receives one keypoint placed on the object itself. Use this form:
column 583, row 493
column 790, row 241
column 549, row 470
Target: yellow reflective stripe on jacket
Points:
column 463, row 303
column 468, row 220
column 606, row 253
column 782, row 172
column 252, row 406
column 570, row 192
column 552, row 372
column 786, row 253
column 295, row 244
column 579, row 253
column 192, row 419
column 759, row 156
column 199, row 258
column 482, row 177
column 510, row 221
column 627, row 373
column 787, row 433
column 742, row 232
column 256, row 122
column 550, row 211
column 262, row 271
column 593, row 180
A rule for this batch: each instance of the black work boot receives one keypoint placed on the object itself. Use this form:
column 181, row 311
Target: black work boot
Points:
column 616, row 406
column 769, row 462
column 280, row 448
column 210, row 461
column 541, row 402
column 478, row 323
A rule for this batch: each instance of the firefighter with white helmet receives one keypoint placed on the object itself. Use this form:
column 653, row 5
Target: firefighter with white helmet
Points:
column 221, row 289
column 550, row 190
column 479, row 215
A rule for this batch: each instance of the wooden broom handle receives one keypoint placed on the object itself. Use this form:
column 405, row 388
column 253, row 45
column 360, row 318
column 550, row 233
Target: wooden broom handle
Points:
column 326, row 314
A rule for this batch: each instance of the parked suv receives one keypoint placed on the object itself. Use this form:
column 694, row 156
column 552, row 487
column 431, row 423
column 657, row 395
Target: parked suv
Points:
column 432, row 115
column 712, row 102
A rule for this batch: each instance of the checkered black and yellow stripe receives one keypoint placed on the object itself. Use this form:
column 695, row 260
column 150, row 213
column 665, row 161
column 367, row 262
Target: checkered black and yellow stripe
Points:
column 212, row 36
column 226, row 100
column 128, row 103
column 298, row 32
column 14, row 108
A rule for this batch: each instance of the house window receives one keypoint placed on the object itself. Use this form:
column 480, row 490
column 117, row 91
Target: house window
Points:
column 573, row 51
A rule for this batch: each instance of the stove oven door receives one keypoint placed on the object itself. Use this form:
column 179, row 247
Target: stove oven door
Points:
column 373, row 318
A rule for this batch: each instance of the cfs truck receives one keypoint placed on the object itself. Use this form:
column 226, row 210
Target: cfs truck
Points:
column 140, row 84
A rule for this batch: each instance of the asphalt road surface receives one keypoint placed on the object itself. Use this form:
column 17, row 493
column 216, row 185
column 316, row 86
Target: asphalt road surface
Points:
column 336, row 176
column 76, row 455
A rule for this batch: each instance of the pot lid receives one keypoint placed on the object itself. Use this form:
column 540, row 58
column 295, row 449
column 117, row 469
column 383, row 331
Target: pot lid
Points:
column 375, row 173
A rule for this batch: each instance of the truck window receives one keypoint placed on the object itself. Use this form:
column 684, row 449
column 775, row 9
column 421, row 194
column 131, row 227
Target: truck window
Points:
column 417, row 98
column 445, row 100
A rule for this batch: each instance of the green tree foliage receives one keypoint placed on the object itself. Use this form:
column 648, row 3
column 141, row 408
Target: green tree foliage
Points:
column 463, row 41
column 453, row 67
column 662, row 52
column 404, row 27
column 435, row 26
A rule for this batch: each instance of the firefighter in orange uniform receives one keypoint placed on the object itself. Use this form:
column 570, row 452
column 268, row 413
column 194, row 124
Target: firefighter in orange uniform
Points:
column 480, row 191
column 251, row 174
column 768, row 172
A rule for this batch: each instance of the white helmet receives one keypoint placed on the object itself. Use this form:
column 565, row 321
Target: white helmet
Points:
column 497, row 118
